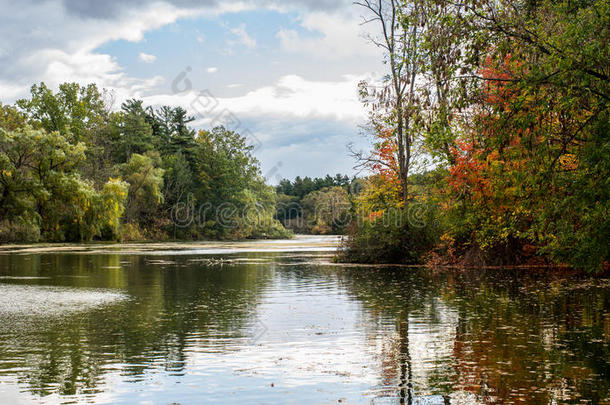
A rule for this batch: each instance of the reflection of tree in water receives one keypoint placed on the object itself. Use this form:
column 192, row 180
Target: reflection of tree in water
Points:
column 534, row 336
column 406, row 367
column 517, row 336
column 401, row 296
column 385, row 295
column 174, row 304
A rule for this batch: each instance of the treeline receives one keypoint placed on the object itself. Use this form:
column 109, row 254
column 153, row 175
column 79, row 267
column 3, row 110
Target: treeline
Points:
column 504, row 106
column 321, row 205
column 71, row 169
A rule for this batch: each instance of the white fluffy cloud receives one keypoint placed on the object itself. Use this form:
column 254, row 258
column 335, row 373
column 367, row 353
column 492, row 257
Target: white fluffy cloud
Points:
column 332, row 36
column 147, row 58
column 68, row 54
column 295, row 96
column 290, row 96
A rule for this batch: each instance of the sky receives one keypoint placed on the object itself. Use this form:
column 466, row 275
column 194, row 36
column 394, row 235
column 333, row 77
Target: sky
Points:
column 283, row 73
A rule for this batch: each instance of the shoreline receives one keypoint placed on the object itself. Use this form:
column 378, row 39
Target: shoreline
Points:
column 327, row 244
column 295, row 244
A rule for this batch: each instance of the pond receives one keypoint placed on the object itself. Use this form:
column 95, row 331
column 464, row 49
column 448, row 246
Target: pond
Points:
column 278, row 323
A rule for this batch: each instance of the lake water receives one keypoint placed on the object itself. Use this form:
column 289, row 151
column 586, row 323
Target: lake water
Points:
column 277, row 323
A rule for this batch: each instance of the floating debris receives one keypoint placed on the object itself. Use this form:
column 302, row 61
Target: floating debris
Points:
column 160, row 262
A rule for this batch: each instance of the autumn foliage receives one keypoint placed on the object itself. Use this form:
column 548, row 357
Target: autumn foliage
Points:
column 520, row 169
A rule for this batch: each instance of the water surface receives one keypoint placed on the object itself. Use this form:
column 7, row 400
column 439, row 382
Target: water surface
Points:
column 275, row 322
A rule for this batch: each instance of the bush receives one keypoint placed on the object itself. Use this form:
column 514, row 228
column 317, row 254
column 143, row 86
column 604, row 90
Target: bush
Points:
column 396, row 236
column 131, row 232
column 18, row 231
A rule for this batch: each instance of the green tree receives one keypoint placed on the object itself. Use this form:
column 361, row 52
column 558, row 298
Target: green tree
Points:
column 132, row 132
column 327, row 211
column 73, row 111
column 178, row 179
column 42, row 190
column 229, row 183
column 145, row 179
column 79, row 113
column 58, row 150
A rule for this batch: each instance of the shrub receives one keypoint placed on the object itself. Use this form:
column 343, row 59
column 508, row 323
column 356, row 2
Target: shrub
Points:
column 395, row 236
column 18, row 230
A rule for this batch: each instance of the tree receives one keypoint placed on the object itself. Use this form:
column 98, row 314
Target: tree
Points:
column 111, row 206
column 10, row 118
column 395, row 104
column 80, row 114
column 59, row 149
column 132, row 131
column 145, row 181
column 557, row 106
column 177, row 179
column 537, row 138
column 41, row 189
column 74, row 111
column 171, row 131
column 231, row 188
column 450, row 54
column 327, row 211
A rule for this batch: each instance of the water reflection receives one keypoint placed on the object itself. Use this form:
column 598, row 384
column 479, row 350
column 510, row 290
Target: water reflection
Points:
column 534, row 337
column 264, row 327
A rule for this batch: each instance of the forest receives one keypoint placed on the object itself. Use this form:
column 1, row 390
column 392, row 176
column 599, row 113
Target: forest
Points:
column 72, row 169
column 408, row 202
column 491, row 134
column 490, row 146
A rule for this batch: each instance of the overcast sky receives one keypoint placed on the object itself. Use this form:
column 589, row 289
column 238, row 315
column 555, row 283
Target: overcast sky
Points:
column 284, row 73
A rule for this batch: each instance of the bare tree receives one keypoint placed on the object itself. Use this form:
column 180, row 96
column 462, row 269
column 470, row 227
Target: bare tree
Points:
column 395, row 101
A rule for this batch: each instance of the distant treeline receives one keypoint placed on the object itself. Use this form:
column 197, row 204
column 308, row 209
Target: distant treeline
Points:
column 320, row 205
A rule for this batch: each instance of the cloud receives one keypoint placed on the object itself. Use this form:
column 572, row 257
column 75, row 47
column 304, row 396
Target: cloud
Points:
column 317, row 147
column 32, row 55
column 212, row 70
column 302, row 121
column 242, row 37
column 109, row 9
column 147, row 58
column 291, row 96
column 305, row 124
column 11, row 91
column 80, row 27
column 330, row 36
